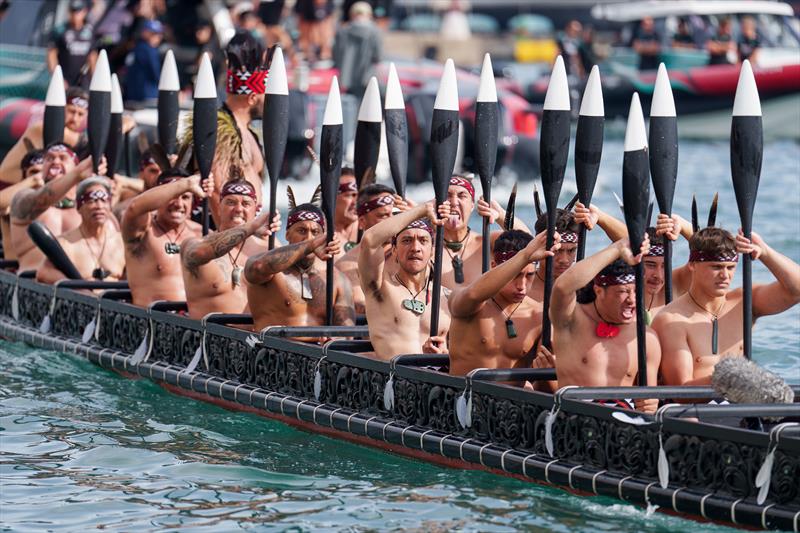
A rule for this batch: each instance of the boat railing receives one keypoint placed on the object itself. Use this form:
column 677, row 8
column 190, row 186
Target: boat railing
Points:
column 315, row 331
column 739, row 410
column 227, row 319
column 660, row 392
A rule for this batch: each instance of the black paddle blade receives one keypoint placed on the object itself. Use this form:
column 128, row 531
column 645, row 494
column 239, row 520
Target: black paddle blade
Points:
column 569, row 205
column 54, row 104
column 747, row 145
column 635, row 176
column 589, row 137
column 168, row 106
column 368, row 133
column 99, row 121
column 396, row 124
column 330, row 154
column 204, row 121
column 444, row 132
column 663, row 141
column 486, row 124
column 510, row 209
column 712, row 212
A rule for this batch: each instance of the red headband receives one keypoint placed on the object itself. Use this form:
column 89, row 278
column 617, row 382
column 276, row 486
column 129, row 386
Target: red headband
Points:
column 604, row 280
column 246, row 82
column 505, row 255
column 90, row 196
column 656, row 250
column 61, row 147
column 462, row 182
column 302, row 215
column 348, row 186
column 375, row 203
column 420, row 223
column 240, row 187
column 713, row 257
column 568, row 236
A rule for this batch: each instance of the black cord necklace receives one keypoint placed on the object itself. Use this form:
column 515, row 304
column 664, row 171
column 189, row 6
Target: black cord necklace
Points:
column 457, row 258
column 511, row 331
column 714, row 323
column 412, row 304
column 236, row 274
column 172, row 247
column 99, row 273
column 305, row 283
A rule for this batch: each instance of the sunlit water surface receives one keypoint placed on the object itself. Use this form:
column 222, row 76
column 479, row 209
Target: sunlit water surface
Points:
column 83, row 448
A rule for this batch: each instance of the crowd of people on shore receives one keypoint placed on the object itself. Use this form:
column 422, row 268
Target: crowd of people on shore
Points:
column 142, row 230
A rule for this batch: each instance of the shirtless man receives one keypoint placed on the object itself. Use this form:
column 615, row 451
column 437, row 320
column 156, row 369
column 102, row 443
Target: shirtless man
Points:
column 148, row 174
column 462, row 247
column 95, row 247
column 493, row 324
column 32, row 178
column 75, row 113
column 686, row 326
column 595, row 336
column 213, row 265
column 286, row 285
column 237, row 144
column 52, row 204
column 375, row 203
column 398, row 297
column 154, row 227
column 346, row 216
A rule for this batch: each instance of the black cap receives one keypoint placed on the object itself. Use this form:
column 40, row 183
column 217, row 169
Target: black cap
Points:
column 78, row 5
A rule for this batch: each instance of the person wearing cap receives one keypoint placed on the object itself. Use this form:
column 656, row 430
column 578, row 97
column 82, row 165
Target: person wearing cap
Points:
column 237, row 144
column 73, row 45
column 95, row 246
column 346, row 218
column 32, row 178
column 286, row 285
column 75, row 113
column 704, row 325
column 462, row 247
column 398, row 290
column 593, row 313
column 213, row 265
column 144, row 72
column 375, row 202
column 154, row 227
column 492, row 321
column 53, row 204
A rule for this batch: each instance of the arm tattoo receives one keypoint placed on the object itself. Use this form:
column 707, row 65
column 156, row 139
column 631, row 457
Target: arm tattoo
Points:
column 274, row 261
column 31, row 204
column 198, row 253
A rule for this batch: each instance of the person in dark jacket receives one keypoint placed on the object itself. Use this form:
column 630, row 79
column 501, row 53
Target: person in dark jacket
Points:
column 143, row 74
column 357, row 49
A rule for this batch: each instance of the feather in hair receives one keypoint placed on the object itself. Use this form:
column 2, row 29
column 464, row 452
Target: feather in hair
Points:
column 536, row 202
column 712, row 212
column 292, row 199
column 368, row 178
column 695, row 223
column 185, row 157
column 508, row 223
column 571, row 203
column 316, row 198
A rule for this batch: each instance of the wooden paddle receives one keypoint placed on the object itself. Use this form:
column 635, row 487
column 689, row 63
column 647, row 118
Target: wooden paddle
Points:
column 331, row 152
column 589, row 146
column 553, row 150
column 636, row 197
column 663, row 139
column 394, row 110
column 54, row 104
column 168, row 106
column 368, row 133
column 747, row 151
column 204, row 125
column 486, row 133
column 99, row 121
column 115, row 140
column 275, row 128
column 443, row 146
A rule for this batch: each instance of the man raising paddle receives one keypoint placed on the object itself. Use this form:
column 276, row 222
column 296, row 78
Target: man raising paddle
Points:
column 595, row 335
column 397, row 297
column 705, row 324
column 493, row 323
column 213, row 266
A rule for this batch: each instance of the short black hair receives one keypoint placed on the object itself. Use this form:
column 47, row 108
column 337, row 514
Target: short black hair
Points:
column 27, row 159
column 512, row 241
column 586, row 295
column 72, row 92
column 655, row 240
column 244, row 52
column 373, row 189
column 565, row 221
column 348, row 171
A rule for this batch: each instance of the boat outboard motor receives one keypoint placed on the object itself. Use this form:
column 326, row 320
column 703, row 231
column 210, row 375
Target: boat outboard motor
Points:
column 49, row 245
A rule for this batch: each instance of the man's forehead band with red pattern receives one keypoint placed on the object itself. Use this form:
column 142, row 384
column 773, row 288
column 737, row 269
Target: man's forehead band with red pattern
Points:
column 348, row 186
column 462, row 182
column 568, row 236
column 245, row 82
column 243, row 188
column 375, row 203
column 302, row 215
column 607, row 280
column 63, row 148
column 90, row 196
column 503, row 256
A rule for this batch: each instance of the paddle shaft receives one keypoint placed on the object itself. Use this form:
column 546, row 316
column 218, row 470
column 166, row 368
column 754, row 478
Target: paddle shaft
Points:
column 747, row 301
column 667, row 271
column 581, row 243
column 273, row 190
column 548, row 288
column 437, row 280
column 206, row 217
column 486, row 245
column 641, row 326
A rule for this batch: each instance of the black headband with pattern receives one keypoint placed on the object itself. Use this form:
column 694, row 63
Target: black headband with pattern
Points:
column 240, row 187
column 375, row 203
column 607, row 280
column 91, row 196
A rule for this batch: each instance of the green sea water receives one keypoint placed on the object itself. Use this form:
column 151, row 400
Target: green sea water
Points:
column 82, row 448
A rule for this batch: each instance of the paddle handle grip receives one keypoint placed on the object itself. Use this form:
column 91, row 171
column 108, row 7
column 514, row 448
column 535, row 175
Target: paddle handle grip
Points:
column 273, row 189
column 581, row 243
column 437, row 280
column 206, row 217
column 641, row 326
column 548, row 288
column 329, row 271
column 667, row 271
column 485, row 246
column 747, row 302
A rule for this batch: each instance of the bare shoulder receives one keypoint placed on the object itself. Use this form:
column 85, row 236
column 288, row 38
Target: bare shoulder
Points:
column 194, row 229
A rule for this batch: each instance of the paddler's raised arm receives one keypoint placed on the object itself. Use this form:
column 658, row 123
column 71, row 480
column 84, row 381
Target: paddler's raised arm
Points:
column 593, row 215
column 563, row 299
column 780, row 295
column 262, row 268
column 29, row 204
column 467, row 301
column 136, row 219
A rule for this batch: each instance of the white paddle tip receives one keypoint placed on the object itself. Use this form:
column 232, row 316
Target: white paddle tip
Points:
column 557, row 97
column 663, row 104
column 370, row 110
column 635, row 134
column 276, row 79
column 592, row 102
column 116, row 96
column 56, row 96
column 487, row 90
column 168, row 81
column 101, row 79
column 333, row 107
column 205, row 86
column 747, row 103
column 447, row 95
column 394, row 92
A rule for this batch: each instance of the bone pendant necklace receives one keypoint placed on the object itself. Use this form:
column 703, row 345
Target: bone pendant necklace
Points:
column 236, row 273
column 714, row 324
column 305, row 283
column 412, row 304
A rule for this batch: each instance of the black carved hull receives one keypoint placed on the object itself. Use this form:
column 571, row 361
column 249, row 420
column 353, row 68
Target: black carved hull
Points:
column 712, row 468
